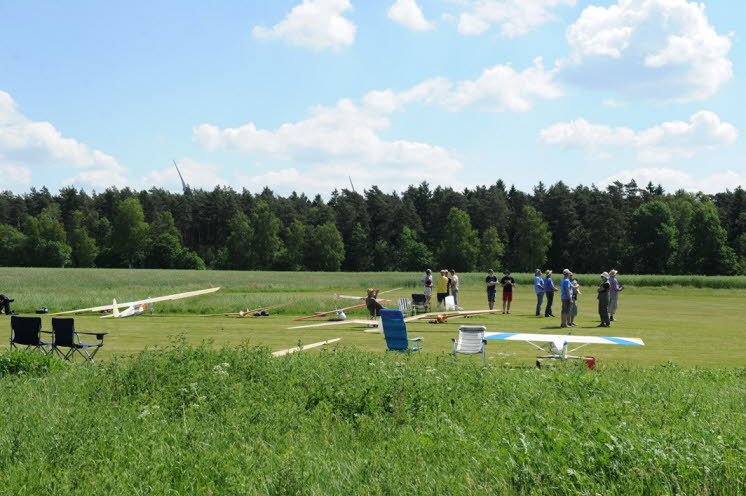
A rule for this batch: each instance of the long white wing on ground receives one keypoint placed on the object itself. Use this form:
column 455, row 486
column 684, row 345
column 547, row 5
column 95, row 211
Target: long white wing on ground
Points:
column 341, row 322
column 567, row 338
column 448, row 315
column 146, row 301
column 306, row 347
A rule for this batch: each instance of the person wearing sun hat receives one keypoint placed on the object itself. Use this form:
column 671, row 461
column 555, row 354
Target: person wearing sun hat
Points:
column 614, row 289
column 603, row 300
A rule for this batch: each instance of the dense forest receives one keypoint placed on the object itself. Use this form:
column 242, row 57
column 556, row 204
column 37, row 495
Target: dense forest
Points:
column 633, row 229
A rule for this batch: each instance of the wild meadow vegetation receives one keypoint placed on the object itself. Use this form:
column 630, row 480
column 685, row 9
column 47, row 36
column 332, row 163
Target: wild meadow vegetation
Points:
column 178, row 403
column 200, row 420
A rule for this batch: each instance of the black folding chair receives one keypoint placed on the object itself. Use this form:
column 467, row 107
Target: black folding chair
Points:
column 65, row 336
column 419, row 302
column 26, row 331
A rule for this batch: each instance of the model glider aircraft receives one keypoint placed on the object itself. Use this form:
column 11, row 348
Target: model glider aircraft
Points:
column 435, row 317
column 306, row 347
column 362, row 298
column 556, row 345
column 245, row 313
column 133, row 308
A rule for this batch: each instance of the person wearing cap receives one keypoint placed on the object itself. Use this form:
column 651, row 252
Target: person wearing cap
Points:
column 442, row 287
column 575, row 293
column 507, row 283
column 549, row 289
column 539, row 289
column 603, row 300
column 566, row 296
column 491, row 282
column 614, row 290
column 374, row 308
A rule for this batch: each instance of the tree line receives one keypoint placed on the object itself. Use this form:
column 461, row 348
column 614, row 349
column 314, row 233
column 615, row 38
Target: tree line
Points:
column 634, row 229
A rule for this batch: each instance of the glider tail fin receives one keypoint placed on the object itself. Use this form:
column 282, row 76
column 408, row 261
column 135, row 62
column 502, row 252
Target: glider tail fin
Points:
column 115, row 308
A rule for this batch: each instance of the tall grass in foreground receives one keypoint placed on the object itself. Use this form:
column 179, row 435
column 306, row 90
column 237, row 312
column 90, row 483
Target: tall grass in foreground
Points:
column 236, row 421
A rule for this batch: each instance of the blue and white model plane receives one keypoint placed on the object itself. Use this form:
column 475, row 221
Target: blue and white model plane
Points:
column 556, row 345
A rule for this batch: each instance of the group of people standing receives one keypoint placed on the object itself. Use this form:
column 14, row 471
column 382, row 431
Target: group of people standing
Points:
column 607, row 294
column 445, row 285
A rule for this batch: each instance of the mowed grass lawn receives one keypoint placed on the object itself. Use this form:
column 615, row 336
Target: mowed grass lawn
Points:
column 686, row 325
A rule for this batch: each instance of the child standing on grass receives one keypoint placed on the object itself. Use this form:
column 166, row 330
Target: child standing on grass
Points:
column 427, row 286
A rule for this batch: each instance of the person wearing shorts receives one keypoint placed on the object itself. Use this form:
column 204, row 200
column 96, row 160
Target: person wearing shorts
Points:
column 566, row 295
column 507, row 283
column 442, row 287
column 574, row 309
column 491, row 282
column 427, row 289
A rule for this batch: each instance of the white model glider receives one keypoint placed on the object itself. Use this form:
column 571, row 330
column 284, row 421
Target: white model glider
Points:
column 434, row 317
column 133, row 308
column 306, row 347
column 557, row 344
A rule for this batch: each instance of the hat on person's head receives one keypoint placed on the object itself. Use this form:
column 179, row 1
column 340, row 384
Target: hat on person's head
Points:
column 566, row 271
column 537, row 271
column 429, row 271
column 549, row 271
column 613, row 272
column 605, row 275
column 506, row 272
column 490, row 270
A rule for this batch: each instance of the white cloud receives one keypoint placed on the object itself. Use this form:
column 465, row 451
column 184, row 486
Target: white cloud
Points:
column 652, row 49
column 408, row 14
column 25, row 143
column 14, row 175
column 317, row 24
column 672, row 179
column 515, row 17
column 675, row 139
column 611, row 102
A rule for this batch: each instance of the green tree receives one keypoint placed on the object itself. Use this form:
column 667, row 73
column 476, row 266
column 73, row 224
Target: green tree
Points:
column 413, row 254
column 46, row 244
column 325, row 248
column 130, row 233
column 491, row 249
column 292, row 253
column 236, row 254
column 710, row 253
column 12, row 243
column 265, row 242
column 531, row 240
column 459, row 243
column 653, row 237
column 84, row 249
column 358, row 253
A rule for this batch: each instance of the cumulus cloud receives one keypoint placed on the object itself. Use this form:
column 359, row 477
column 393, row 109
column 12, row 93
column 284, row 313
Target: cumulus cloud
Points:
column 25, row 143
column 515, row 17
column 672, row 179
column 408, row 14
column 317, row 24
column 662, row 143
column 651, row 49
column 14, row 175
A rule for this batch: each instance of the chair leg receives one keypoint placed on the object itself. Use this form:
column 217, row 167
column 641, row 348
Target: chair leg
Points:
column 483, row 347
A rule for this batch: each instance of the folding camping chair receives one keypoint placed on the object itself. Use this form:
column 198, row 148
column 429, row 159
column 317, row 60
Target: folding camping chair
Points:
column 26, row 331
column 395, row 331
column 404, row 305
column 65, row 336
column 470, row 341
column 419, row 302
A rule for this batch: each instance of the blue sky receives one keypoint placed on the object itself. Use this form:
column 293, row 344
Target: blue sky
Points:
column 298, row 95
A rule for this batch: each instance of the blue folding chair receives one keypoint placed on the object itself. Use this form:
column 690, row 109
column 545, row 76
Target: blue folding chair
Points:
column 395, row 331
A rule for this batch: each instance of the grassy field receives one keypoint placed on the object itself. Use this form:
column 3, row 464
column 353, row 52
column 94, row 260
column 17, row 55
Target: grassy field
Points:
column 682, row 324
column 205, row 409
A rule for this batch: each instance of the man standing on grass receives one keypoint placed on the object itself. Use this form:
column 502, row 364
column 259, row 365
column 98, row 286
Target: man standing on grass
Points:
column 603, row 300
column 454, row 286
column 549, row 289
column 442, row 287
column 574, row 309
column 566, row 295
column 491, row 282
column 614, row 289
column 539, row 288
column 507, row 283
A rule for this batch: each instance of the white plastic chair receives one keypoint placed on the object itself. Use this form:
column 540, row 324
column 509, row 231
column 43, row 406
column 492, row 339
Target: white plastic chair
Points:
column 470, row 341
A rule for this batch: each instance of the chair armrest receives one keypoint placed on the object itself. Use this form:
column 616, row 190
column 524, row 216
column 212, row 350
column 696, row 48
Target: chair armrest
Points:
column 47, row 332
column 416, row 339
column 99, row 335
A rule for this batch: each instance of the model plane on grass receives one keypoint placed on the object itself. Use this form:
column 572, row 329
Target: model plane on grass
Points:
column 556, row 345
column 362, row 298
column 245, row 313
column 434, row 317
column 133, row 308
column 340, row 312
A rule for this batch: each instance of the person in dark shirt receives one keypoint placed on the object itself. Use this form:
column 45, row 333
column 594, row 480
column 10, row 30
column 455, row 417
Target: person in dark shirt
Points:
column 603, row 300
column 374, row 308
column 549, row 289
column 491, row 282
column 5, row 304
column 507, row 283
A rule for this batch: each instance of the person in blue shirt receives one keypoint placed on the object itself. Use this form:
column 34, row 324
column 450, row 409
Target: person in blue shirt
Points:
column 566, row 295
column 549, row 289
column 539, row 288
